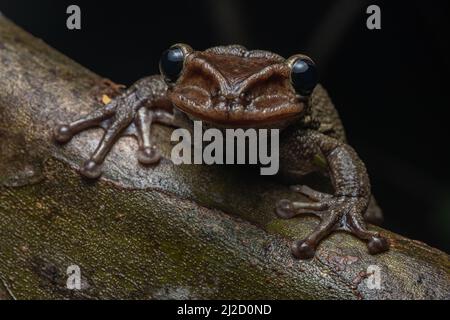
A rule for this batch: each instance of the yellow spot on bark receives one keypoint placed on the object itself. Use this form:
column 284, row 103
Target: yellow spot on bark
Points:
column 106, row 99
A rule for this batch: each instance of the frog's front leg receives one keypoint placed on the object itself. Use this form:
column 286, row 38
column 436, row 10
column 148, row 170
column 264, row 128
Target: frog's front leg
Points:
column 344, row 209
column 142, row 104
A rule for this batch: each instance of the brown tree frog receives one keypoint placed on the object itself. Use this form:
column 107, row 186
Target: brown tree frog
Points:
column 230, row 86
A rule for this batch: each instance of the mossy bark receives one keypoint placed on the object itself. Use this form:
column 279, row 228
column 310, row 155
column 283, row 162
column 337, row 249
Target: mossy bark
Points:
column 163, row 231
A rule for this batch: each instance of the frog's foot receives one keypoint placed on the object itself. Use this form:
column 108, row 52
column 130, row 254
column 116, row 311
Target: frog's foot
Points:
column 336, row 213
column 120, row 114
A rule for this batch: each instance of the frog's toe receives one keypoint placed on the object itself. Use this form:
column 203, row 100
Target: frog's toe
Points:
column 148, row 155
column 285, row 209
column 62, row 133
column 303, row 249
column 377, row 245
column 91, row 169
column 311, row 193
column 375, row 242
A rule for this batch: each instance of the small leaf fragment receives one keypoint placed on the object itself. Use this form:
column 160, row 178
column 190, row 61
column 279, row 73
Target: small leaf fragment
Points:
column 106, row 99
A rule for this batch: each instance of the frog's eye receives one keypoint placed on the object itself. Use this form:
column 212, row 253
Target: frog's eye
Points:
column 172, row 61
column 303, row 75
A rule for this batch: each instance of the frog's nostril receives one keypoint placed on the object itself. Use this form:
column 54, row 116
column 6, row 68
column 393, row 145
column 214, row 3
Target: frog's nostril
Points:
column 216, row 94
column 222, row 98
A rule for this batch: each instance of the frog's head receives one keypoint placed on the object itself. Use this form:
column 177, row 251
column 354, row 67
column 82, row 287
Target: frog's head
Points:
column 231, row 86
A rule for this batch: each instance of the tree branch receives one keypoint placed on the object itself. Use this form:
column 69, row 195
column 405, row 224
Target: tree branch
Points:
column 157, row 232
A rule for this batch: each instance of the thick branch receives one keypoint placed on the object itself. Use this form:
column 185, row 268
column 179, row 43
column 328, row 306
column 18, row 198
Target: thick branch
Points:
column 162, row 231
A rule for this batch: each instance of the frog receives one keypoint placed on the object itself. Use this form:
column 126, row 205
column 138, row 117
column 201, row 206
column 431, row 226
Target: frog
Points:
column 233, row 87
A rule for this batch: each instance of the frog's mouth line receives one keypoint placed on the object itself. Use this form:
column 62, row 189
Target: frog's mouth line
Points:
column 265, row 111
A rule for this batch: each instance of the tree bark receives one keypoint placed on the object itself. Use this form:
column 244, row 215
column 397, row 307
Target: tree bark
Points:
column 162, row 231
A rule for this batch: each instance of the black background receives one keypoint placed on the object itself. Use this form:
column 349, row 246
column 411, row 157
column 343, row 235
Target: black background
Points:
column 390, row 86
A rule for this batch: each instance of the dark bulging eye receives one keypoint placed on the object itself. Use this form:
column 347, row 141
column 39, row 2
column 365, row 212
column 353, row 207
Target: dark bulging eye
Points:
column 171, row 63
column 304, row 76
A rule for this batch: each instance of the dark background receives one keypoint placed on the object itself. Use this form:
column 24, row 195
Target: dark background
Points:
column 390, row 86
